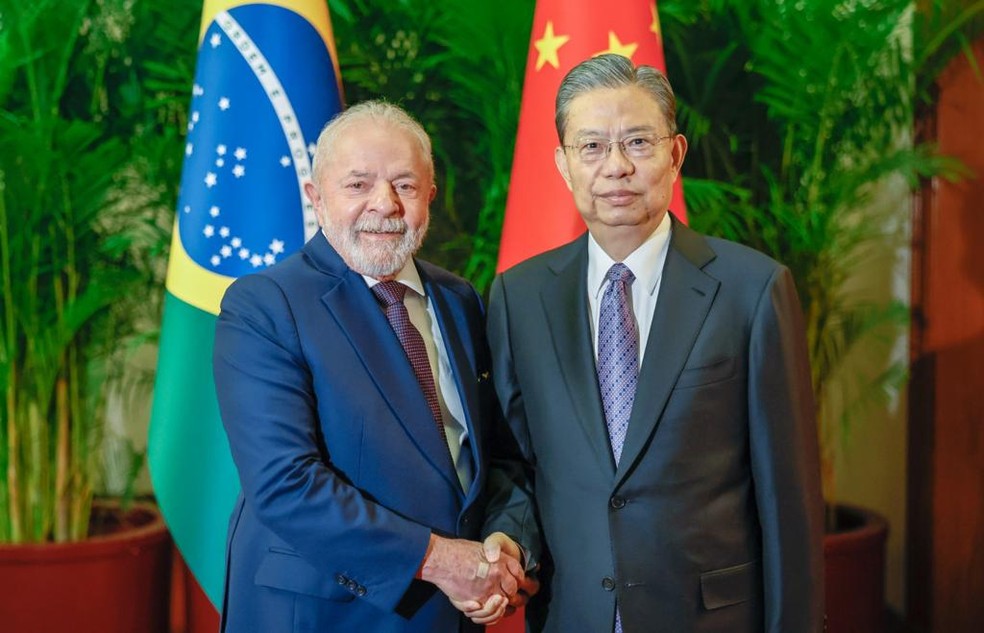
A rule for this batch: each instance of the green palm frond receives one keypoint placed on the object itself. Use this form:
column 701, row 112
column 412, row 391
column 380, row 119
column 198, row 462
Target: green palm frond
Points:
column 86, row 186
column 826, row 94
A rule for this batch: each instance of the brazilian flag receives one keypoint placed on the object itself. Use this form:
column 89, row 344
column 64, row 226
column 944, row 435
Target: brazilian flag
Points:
column 267, row 81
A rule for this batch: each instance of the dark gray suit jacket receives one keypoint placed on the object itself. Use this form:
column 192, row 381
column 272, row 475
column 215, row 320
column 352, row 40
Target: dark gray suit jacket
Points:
column 712, row 520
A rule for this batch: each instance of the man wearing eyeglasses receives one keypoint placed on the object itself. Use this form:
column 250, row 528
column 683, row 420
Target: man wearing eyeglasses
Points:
column 657, row 383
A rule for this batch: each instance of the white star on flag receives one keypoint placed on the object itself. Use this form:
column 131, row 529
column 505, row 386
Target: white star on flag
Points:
column 311, row 148
column 209, row 230
column 220, row 150
column 215, row 40
column 197, row 90
column 236, row 242
column 189, row 149
column 224, row 231
column 277, row 247
column 255, row 260
column 210, row 180
column 214, row 211
column 219, row 162
column 240, row 153
column 216, row 260
column 195, row 116
column 224, row 103
column 226, row 250
column 243, row 253
column 238, row 171
column 269, row 259
column 285, row 161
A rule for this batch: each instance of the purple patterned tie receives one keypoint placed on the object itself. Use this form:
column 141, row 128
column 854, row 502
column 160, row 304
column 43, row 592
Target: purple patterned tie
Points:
column 618, row 362
column 618, row 355
column 390, row 297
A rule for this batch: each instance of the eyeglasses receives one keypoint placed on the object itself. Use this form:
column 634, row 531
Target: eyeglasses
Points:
column 637, row 146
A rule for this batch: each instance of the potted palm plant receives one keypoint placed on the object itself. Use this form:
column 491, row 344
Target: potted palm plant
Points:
column 796, row 161
column 84, row 193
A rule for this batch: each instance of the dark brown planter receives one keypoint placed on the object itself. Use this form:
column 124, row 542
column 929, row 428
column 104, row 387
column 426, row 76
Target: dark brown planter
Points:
column 116, row 583
column 854, row 556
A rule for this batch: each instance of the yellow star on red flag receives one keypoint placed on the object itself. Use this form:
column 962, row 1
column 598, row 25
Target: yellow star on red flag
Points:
column 548, row 45
column 617, row 47
column 654, row 27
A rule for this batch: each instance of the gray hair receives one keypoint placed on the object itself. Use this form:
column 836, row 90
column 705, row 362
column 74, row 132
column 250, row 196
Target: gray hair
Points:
column 613, row 71
column 379, row 111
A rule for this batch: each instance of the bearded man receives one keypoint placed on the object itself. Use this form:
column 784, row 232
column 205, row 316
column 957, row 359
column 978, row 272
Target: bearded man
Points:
column 353, row 383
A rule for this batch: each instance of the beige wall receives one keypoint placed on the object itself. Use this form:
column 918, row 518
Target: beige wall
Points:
column 871, row 468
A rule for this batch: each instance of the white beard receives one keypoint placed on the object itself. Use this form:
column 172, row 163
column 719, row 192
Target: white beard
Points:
column 370, row 258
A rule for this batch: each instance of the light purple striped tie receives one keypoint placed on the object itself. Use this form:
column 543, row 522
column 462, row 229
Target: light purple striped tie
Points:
column 618, row 362
column 389, row 294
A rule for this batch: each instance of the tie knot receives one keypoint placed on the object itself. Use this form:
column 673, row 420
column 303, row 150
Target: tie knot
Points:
column 620, row 272
column 389, row 293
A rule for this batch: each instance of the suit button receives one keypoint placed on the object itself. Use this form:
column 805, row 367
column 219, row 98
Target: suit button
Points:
column 361, row 590
column 608, row 583
column 340, row 579
column 351, row 585
column 617, row 502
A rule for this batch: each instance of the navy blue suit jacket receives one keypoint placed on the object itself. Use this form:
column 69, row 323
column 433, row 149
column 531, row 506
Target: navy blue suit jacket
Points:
column 344, row 473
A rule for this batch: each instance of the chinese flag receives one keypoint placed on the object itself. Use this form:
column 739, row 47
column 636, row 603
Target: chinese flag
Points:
column 540, row 212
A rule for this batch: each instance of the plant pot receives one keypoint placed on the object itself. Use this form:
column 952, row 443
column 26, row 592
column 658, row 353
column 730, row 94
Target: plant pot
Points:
column 854, row 559
column 116, row 582
column 191, row 610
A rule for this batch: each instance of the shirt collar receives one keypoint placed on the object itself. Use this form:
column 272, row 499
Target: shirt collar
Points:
column 408, row 276
column 644, row 262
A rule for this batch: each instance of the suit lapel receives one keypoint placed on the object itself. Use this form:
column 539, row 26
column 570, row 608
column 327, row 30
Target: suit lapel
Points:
column 352, row 305
column 565, row 303
column 685, row 297
column 451, row 316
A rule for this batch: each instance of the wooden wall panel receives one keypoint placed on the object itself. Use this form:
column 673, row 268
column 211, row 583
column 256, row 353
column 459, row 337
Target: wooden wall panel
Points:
column 946, row 441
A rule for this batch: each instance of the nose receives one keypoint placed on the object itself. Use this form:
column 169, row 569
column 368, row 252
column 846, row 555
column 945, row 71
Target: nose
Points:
column 616, row 164
column 384, row 199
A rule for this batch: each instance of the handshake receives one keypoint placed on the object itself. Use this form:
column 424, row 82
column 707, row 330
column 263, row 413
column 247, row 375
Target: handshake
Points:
column 485, row 581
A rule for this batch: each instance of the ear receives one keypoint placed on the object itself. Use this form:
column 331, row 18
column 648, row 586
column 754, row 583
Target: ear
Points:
column 433, row 194
column 312, row 193
column 677, row 153
column 315, row 197
column 560, row 160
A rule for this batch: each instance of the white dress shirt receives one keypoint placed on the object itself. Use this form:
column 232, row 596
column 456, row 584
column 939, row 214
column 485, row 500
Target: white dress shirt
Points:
column 422, row 315
column 646, row 263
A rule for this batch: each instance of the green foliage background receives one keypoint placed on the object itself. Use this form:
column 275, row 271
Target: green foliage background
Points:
column 796, row 113
column 88, row 173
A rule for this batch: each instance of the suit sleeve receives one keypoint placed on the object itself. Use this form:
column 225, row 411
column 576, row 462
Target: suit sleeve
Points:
column 268, row 408
column 510, row 507
column 785, row 461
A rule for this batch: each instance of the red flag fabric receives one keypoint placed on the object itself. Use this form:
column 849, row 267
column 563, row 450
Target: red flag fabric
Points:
column 540, row 212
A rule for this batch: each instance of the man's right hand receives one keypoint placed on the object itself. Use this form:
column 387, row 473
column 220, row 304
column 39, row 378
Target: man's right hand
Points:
column 462, row 571
column 498, row 607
